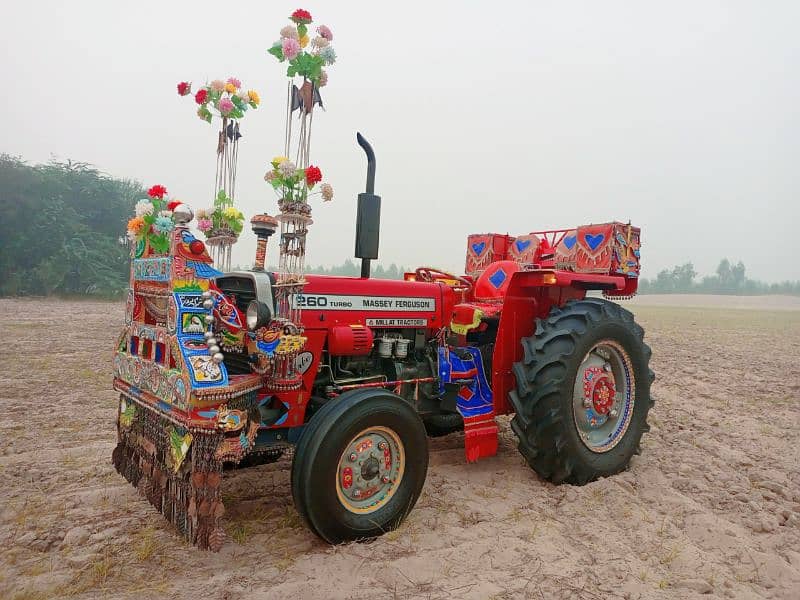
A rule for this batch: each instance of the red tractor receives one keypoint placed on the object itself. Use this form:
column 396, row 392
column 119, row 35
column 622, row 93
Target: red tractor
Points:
column 386, row 364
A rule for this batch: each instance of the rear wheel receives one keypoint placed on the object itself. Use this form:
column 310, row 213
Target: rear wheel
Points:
column 583, row 392
column 360, row 466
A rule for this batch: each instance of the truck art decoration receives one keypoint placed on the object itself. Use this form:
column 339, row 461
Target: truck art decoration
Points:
column 351, row 374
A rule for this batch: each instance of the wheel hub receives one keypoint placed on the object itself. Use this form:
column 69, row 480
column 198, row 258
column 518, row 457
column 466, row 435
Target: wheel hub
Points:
column 603, row 396
column 598, row 388
column 370, row 469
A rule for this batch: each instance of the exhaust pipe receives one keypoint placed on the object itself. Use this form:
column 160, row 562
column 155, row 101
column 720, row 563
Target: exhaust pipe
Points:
column 368, row 217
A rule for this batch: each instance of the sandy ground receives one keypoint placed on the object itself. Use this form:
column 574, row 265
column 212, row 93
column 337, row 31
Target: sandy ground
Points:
column 710, row 509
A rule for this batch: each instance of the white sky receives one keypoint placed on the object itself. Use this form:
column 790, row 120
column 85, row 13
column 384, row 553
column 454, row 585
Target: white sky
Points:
column 681, row 116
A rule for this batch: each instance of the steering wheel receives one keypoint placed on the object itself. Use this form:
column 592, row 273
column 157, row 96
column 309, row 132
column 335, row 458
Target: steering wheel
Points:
column 430, row 274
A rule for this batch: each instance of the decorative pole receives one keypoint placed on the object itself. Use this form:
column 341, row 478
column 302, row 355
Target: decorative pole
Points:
column 263, row 226
column 223, row 223
column 294, row 183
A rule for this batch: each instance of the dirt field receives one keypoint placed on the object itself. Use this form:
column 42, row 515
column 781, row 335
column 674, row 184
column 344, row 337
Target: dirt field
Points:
column 710, row 509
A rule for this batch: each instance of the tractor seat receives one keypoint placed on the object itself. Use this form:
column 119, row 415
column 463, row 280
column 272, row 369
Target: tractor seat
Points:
column 493, row 282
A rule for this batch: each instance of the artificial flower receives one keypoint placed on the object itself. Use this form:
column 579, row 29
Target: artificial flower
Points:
column 326, row 189
column 269, row 175
column 204, row 224
column 157, row 191
column 313, row 175
column 278, row 160
column 325, row 32
column 235, row 82
column 304, row 41
column 165, row 213
column 135, row 225
column 328, row 55
column 289, row 32
column 254, row 97
column 163, row 224
column 301, row 16
column 232, row 212
column 202, row 213
column 131, row 236
column 323, row 78
column 320, row 42
column 243, row 96
column 172, row 204
column 184, row 88
column 230, row 88
column 218, row 85
column 287, row 168
column 290, row 47
column 225, row 106
column 201, row 96
column 144, row 207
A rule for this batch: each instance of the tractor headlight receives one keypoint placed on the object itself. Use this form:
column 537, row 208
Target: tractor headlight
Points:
column 258, row 315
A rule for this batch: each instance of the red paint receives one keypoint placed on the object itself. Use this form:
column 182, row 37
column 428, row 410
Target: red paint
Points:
column 347, row 478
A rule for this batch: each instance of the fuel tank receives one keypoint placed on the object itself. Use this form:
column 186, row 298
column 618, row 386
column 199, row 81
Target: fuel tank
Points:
column 328, row 301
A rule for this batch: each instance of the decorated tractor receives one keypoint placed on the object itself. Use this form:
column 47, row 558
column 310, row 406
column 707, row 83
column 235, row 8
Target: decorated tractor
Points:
column 350, row 375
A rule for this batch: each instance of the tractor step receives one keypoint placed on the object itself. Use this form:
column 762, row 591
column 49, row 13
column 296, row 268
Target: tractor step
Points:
column 480, row 437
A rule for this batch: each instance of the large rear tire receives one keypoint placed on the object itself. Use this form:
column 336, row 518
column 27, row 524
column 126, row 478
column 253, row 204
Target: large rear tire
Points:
column 360, row 466
column 583, row 392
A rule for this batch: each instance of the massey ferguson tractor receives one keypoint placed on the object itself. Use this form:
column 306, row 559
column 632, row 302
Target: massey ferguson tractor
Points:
column 384, row 364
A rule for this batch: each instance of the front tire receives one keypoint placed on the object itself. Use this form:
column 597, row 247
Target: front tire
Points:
column 583, row 392
column 360, row 466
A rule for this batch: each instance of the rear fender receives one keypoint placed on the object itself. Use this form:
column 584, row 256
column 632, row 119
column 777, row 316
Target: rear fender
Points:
column 530, row 296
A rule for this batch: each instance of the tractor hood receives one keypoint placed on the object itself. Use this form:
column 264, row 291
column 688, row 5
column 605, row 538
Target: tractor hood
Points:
column 327, row 301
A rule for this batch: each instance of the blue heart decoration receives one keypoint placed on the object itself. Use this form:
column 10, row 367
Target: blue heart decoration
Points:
column 521, row 245
column 593, row 241
column 479, row 247
column 569, row 241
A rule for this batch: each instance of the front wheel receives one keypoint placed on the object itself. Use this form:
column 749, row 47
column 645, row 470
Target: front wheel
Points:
column 360, row 466
column 583, row 392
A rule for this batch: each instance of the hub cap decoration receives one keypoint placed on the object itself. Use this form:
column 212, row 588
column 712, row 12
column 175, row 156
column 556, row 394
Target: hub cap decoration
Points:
column 603, row 396
column 370, row 470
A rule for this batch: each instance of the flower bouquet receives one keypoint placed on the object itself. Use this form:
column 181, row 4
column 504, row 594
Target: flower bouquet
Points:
column 153, row 223
column 225, row 99
column 291, row 48
column 223, row 220
column 294, row 186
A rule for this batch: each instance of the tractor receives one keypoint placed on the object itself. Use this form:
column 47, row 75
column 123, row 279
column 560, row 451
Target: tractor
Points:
column 384, row 365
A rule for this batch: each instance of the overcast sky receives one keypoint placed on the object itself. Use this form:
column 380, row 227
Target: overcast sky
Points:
column 681, row 116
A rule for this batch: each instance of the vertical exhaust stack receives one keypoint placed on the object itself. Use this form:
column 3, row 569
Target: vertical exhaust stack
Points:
column 368, row 217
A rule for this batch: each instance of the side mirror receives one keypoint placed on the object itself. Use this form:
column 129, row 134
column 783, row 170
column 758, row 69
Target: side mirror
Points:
column 258, row 315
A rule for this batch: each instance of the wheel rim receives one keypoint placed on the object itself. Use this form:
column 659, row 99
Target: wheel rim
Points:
column 370, row 470
column 603, row 396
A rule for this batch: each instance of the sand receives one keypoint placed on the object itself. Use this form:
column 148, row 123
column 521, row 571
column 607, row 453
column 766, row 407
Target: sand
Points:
column 711, row 508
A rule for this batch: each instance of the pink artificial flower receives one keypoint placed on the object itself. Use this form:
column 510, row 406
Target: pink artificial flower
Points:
column 204, row 224
column 225, row 106
column 325, row 32
column 235, row 82
column 218, row 85
column 291, row 48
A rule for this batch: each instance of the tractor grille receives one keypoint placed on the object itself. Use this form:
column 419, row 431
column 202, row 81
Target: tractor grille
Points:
column 241, row 290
